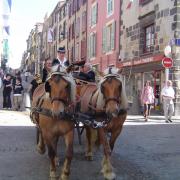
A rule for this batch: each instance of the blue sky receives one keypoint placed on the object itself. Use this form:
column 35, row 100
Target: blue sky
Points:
column 24, row 15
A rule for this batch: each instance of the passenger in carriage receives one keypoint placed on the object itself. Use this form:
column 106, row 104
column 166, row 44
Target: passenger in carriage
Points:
column 86, row 73
column 34, row 84
column 46, row 69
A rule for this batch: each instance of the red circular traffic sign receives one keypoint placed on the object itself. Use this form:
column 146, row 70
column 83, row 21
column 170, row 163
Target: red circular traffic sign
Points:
column 167, row 62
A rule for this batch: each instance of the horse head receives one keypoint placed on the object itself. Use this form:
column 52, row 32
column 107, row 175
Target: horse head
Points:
column 112, row 93
column 60, row 86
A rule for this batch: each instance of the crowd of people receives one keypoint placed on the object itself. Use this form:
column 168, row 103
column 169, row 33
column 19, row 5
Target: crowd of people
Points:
column 12, row 91
column 13, row 84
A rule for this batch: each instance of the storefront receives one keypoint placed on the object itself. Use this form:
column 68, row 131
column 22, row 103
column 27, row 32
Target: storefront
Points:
column 136, row 73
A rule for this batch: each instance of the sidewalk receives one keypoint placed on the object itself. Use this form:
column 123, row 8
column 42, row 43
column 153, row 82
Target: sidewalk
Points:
column 139, row 120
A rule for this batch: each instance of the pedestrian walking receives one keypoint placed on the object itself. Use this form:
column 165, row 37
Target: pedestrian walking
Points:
column 7, row 89
column 26, row 74
column 18, row 94
column 17, row 75
column 46, row 69
column 167, row 94
column 147, row 99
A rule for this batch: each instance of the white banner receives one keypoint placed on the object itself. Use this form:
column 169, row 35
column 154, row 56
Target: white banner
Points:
column 50, row 35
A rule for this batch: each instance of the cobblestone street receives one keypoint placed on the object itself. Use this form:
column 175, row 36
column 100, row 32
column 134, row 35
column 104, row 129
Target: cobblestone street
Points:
column 143, row 151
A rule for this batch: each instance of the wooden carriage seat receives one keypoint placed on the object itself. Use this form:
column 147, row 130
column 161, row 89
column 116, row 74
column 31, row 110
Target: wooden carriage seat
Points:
column 85, row 91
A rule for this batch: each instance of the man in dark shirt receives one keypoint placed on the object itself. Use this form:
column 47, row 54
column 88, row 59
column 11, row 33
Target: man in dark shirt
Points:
column 18, row 94
column 86, row 73
column 34, row 84
column 7, row 92
column 46, row 69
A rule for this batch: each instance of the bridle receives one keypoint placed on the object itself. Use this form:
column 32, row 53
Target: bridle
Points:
column 112, row 99
column 115, row 99
column 59, row 99
column 64, row 101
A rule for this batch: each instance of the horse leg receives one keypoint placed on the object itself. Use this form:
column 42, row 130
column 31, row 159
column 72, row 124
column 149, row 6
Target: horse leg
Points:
column 69, row 137
column 41, row 148
column 107, row 168
column 114, row 135
column 91, row 136
column 52, row 147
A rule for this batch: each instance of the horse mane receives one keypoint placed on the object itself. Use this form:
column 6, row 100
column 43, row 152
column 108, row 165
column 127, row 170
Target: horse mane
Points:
column 69, row 78
column 58, row 68
column 112, row 72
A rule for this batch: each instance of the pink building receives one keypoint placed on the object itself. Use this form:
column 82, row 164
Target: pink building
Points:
column 103, row 33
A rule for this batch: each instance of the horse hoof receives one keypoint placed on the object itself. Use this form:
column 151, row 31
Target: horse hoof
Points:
column 53, row 175
column 64, row 177
column 110, row 176
column 89, row 158
column 40, row 150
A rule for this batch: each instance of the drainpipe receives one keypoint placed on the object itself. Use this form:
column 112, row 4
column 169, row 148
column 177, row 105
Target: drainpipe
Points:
column 119, row 29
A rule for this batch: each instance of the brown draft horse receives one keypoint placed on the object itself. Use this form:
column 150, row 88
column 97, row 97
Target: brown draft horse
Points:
column 48, row 113
column 109, row 98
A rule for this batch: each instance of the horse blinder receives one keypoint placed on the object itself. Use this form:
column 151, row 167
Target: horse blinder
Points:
column 47, row 87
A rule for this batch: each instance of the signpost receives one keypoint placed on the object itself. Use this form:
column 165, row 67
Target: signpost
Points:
column 167, row 63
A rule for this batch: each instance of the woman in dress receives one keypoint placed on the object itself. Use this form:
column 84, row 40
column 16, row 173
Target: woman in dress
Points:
column 147, row 98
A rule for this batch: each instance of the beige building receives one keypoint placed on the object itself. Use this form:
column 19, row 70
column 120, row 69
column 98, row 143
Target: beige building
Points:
column 54, row 33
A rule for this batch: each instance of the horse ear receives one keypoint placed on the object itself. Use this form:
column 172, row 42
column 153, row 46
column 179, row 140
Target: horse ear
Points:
column 101, row 74
column 47, row 87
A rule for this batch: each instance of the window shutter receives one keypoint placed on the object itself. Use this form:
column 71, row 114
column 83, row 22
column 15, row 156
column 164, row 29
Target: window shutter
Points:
column 108, row 36
column 91, row 41
column 104, row 39
column 94, row 44
column 96, row 11
column 89, row 45
column 113, row 35
column 90, row 18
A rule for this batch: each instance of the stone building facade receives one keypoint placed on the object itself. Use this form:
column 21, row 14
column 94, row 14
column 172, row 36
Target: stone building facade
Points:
column 147, row 27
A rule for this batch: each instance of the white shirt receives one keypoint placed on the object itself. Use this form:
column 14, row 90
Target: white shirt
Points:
column 168, row 93
column 62, row 63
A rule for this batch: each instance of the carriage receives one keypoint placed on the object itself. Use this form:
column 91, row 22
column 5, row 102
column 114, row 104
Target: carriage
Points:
column 62, row 104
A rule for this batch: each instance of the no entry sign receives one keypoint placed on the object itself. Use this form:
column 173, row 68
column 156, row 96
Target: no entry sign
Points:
column 167, row 62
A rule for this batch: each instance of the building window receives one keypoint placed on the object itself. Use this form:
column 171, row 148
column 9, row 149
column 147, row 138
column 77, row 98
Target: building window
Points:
column 92, row 45
column 149, row 38
column 142, row 2
column 108, row 40
column 84, row 1
column 110, row 7
column 83, row 21
column 94, row 14
column 83, row 49
column 60, row 30
column 77, row 27
column 77, row 52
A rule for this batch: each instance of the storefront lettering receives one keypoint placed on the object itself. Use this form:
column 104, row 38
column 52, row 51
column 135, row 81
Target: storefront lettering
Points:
column 142, row 61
